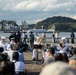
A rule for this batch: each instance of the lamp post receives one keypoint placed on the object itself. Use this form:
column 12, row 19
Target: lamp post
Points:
column 75, row 11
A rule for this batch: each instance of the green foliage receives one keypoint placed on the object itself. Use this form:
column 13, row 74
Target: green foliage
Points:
column 9, row 22
column 61, row 23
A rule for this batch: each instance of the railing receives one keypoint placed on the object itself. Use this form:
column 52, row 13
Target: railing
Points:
column 57, row 40
column 49, row 40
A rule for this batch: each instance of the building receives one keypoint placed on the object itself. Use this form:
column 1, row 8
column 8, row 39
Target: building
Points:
column 9, row 26
column 24, row 25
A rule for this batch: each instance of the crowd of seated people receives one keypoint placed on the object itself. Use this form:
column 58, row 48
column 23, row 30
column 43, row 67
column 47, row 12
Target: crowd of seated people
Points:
column 60, row 59
column 54, row 54
column 11, row 58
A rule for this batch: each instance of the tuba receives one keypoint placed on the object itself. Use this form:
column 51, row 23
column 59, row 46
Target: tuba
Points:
column 41, row 40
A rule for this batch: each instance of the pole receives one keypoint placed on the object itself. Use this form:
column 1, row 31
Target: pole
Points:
column 75, row 11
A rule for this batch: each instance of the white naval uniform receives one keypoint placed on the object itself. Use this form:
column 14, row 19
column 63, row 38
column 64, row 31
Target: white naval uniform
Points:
column 9, row 45
column 4, row 45
column 19, row 66
column 35, row 51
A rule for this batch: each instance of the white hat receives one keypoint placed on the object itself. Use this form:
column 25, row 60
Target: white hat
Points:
column 12, row 38
column 58, row 68
column 63, row 38
column 3, row 37
column 61, row 51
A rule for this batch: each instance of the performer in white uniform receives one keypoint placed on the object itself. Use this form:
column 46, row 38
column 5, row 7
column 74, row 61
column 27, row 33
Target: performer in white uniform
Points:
column 12, row 42
column 3, row 43
column 35, row 51
column 37, row 42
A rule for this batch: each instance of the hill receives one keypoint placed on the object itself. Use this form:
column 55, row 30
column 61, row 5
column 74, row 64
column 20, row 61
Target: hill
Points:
column 61, row 23
column 31, row 26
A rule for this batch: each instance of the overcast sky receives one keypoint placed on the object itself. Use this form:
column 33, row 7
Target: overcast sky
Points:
column 36, row 10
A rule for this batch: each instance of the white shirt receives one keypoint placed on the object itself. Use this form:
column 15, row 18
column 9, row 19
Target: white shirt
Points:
column 19, row 66
column 12, row 43
column 36, row 42
column 9, row 54
column 8, row 47
column 35, row 51
column 4, row 45
column 56, row 35
column 23, row 35
column 66, row 44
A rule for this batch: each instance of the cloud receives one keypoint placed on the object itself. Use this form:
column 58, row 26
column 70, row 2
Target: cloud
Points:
column 25, row 5
column 36, row 10
column 21, row 5
column 36, row 5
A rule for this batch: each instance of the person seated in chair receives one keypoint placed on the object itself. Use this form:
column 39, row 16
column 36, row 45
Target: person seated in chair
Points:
column 37, row 42
column 20, row 68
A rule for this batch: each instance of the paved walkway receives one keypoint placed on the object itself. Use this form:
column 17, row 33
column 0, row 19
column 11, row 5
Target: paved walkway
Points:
column 31, row 66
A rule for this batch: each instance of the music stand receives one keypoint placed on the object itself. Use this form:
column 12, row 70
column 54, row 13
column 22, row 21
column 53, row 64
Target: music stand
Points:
column 37, row 47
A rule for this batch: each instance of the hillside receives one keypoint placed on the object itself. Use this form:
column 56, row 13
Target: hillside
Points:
column 61, row 23
column 3, row 22
column 31, row 26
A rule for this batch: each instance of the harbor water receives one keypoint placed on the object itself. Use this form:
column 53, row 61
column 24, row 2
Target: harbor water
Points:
column 48, row 35
column 61, row 34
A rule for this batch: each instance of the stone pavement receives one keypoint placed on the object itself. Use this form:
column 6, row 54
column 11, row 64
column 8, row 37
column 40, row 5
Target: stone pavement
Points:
column 31, row 66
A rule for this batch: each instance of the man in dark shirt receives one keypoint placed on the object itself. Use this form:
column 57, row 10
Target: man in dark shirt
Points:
column 31, row 40
column 72, row 37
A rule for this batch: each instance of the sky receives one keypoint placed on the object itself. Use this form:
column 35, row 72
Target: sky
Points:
column 33, row 11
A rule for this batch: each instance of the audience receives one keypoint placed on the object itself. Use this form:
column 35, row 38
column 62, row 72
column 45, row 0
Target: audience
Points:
column 74, row 54
column 20, row 68
column 6, row 67
column 49, row 57
column 58, row 68
column 14, row 48
column 55, row 60
column 72, row 63
column 65, row 57
column 58, row 57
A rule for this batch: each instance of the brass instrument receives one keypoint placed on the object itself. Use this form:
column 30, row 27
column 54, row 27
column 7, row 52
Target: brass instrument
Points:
column 41, row 40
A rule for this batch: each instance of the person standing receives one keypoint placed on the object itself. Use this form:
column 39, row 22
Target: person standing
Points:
column 3, row 43
column 72, row 37
column 34, row 56
column 24, row 36
column 18, row 36
column 13, row 35
column 57, row 37
column 31, row 40
column 53, row 37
